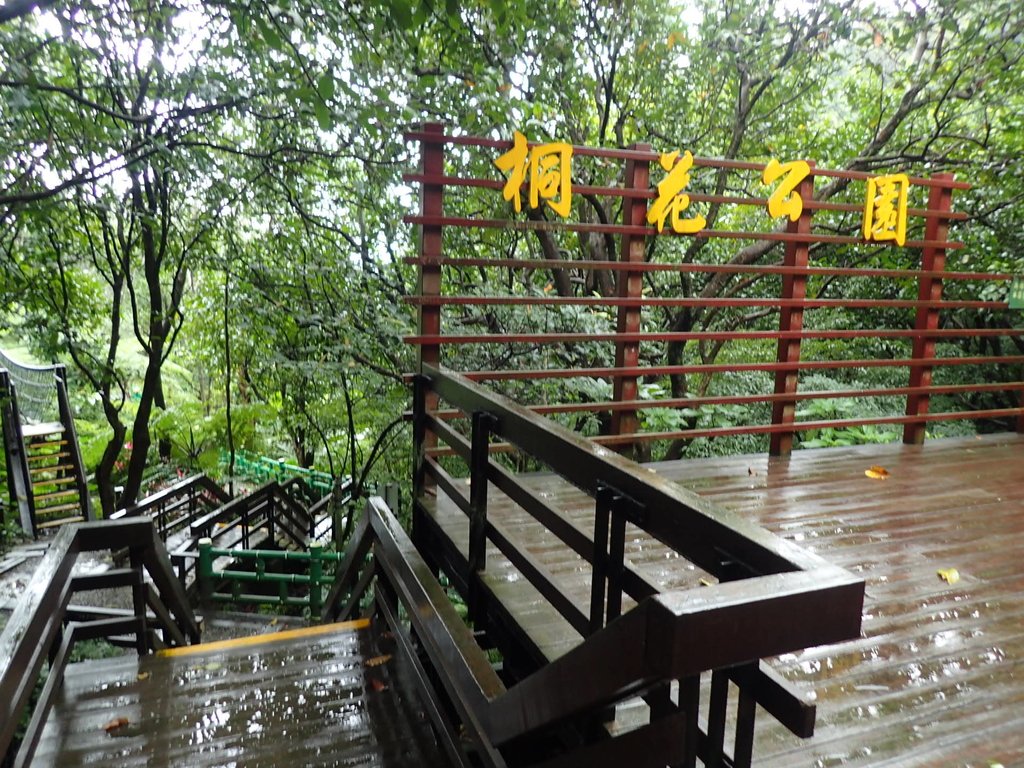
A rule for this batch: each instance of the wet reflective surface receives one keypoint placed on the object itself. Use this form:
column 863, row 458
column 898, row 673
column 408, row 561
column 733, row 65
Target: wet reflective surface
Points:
column 937, row 677
column 329, row 699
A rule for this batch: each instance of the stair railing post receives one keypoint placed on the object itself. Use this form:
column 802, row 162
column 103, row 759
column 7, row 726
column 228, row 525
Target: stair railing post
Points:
column 604, row 501
column 316, row 575
column 482, row 424
column 616, row 560
column 205, row 571
column 67, row 419
column 19, row 477
column 139, row 601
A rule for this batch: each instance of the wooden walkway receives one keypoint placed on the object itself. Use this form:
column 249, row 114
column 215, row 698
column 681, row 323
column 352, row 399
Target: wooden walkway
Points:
column 937, row 677
column 333, row 695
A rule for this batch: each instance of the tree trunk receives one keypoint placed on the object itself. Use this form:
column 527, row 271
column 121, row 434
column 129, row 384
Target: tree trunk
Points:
column 141, row 438
column 105, row 469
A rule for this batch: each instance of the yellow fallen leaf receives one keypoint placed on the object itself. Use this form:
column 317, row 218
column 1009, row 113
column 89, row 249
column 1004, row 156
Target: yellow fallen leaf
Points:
column 143, row 676
column 949, row 575
column 876, row 472
column 705, row 582
column 376, row 661
column 113, row 725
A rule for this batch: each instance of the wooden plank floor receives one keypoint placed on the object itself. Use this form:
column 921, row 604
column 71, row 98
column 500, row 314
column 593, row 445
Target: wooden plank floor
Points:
column 320, row 696
column 937, row 677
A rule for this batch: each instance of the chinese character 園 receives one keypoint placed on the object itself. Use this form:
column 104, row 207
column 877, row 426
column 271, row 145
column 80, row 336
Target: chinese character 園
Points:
column 885, row 208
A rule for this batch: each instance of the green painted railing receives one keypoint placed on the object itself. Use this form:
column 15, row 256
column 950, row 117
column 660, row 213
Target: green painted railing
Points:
column 263, row 468
column 315, row 577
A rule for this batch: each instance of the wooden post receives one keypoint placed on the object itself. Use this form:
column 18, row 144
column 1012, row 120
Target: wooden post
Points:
column 602, row 513
column 630, row 285
column 430, row 244
column 429, row 283
column 478, row 472
column 791, row 319
column 933, row 259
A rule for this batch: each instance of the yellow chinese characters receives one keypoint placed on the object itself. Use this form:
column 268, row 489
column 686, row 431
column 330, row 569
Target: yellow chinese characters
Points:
column 550, row 174
column 885, row 208
column 785, row 200
column 671, row 199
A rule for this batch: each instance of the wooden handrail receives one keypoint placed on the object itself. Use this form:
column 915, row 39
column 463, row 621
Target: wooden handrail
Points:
column 766, row 586
column 37, row 623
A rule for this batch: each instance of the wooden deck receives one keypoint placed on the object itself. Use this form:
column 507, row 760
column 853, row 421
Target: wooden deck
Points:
column 937, row 677
column 333, row 695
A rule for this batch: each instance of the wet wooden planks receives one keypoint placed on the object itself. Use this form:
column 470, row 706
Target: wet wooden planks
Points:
column 322, row 696
column 937, row 677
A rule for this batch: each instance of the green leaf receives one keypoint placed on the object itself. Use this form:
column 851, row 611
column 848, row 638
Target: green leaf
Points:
column 401, row 13
column 323, row 115
column 269, row 34
column 326, row 86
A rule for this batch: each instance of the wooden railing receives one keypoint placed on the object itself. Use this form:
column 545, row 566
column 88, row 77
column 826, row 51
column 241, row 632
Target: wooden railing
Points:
column 455, row 679
column 268, row 514
column 796, row 300
column 45, row 626
column 176, row 507
column 47, row 399
column 767, row 597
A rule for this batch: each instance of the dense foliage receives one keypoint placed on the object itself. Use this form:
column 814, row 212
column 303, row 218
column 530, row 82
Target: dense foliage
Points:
column 200, row 202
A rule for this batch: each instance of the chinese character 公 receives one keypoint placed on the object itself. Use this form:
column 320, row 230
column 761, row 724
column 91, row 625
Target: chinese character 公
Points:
column 550, row 174
column 785, row 201
column 671, row 199
column 885, row 208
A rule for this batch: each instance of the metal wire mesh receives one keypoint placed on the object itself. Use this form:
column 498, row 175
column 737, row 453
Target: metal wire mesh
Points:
column 35, row 388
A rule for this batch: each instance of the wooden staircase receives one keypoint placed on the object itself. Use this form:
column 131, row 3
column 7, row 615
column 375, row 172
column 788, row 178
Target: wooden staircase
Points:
column 53, row 476
column 45, row 475
column 326, row 695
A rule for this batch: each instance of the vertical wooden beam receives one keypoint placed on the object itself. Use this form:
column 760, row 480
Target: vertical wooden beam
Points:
column 602, row 513
column 430, row 245
column 933, row 259
column 429, row 283
column 630, row 285
column 616, row 561
column 479, row 466
column 791, row 319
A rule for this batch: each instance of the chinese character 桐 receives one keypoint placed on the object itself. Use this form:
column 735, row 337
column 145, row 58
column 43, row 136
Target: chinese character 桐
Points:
column 550, row 174
column 785, row 201
column 885, row 208
column 671, row 199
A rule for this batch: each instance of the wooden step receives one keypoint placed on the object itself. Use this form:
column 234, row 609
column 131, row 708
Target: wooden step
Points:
column 365, row 709
column 58, row 508
column 40, row 456
column 30, row 431
column 54, row 481
column 60, row 522
column 55, row 495
column 51, row 468
column 47, row 444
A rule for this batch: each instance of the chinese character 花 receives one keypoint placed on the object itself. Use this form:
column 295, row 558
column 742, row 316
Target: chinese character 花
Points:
column 671, row 198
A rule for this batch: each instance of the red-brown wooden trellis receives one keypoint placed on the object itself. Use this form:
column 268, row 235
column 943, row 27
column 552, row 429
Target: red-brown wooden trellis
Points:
column 629, row 301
